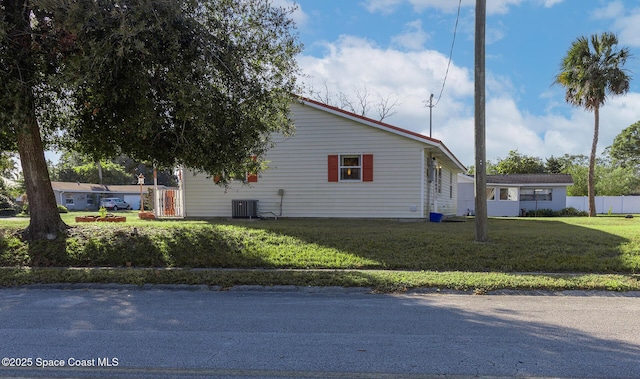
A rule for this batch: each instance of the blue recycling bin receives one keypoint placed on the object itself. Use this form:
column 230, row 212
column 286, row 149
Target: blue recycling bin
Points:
column 435, row 217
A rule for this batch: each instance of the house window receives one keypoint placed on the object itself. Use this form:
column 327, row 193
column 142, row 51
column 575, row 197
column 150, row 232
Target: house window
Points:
column 90, row 201
column 509, row 194
column 68, row 199
column 536, row 194
column 491, row 193
column 350, row 168
column 450, row 184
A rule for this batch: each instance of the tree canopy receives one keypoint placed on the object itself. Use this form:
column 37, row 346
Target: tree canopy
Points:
column 175, row 82
column 517, row 163
column 73, row 167
column 625, row 149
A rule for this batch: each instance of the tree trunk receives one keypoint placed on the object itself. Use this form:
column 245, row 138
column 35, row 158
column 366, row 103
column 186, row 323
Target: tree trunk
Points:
column 591, row 181
column 45, row 220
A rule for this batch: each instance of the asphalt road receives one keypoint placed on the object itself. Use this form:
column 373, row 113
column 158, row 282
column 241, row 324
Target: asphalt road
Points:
column 123, row 332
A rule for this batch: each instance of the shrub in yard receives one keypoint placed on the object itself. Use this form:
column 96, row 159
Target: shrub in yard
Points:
column 62, row 209
column 544, row 212
column 572, row 212
column 13, row 251
column 565, row 212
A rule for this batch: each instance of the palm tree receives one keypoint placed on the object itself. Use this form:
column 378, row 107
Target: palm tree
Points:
column 589, row 73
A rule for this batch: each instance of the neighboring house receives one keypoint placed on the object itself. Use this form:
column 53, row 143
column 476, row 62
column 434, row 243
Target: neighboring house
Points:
column 86, row 196
column 337, row 164
column 511, row 195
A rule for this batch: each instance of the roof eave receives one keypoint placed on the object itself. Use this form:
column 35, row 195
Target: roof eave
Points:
column 529, row 184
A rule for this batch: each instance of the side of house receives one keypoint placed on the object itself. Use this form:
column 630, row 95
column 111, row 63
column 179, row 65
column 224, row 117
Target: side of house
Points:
column 512, row 195
column 338, row 164
column 86, row 196
column 78, row 196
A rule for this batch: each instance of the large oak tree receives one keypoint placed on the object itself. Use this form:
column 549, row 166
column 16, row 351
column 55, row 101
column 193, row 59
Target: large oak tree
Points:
column 199, row 83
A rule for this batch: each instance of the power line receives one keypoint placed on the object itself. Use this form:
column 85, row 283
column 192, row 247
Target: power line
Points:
column 455, row 31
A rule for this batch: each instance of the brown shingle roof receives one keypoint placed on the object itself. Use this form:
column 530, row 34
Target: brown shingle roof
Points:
column 558, row 179
column 98, row 188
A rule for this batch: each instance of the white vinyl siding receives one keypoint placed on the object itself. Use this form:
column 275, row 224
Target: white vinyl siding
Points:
column 514, row 204
column 298, row 165
column 558, row 198
column 447, row 198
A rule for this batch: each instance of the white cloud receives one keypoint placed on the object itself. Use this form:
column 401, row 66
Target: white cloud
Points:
column 299, row 16
column 626, row 22
column 493, row 6
column 381, row 6
column 413, row 37
column 356, row 60
column 550, row 3
column 612, row 10
column 629, row 28
column 447, row 6
column 450, row 6
column 411, row 76
column 549, row 134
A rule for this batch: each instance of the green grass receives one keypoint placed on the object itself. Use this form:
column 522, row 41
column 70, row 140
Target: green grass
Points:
column 382, row 254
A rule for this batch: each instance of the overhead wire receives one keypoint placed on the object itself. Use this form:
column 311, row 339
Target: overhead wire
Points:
column 446, row 74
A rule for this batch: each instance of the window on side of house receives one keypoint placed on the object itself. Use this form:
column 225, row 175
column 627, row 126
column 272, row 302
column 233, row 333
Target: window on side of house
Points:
column 350, row 168
column 68, row 199
column 491, row 193
column 509, row 194
column 536, row 194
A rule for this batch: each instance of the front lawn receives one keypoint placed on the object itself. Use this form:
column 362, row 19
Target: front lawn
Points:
column 601, row 245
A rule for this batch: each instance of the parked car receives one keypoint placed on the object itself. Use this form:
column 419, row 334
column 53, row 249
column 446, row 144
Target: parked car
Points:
column 114, row 203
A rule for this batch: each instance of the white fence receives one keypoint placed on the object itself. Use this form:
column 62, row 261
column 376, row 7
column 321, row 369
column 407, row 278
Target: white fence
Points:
column 617, row 204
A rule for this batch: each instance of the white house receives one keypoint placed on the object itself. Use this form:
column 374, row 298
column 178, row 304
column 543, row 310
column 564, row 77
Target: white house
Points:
column 86, row 196
column 509, row 195
column 337, row 164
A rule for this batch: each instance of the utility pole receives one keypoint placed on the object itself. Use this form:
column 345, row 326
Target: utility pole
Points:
column 430, row 112
column 480, row 137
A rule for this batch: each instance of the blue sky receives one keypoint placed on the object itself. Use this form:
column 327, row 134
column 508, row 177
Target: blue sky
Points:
column 399, row 49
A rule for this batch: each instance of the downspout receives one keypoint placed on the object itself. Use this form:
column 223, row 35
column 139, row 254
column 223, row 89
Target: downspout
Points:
column 431, row 183
column 423, row 183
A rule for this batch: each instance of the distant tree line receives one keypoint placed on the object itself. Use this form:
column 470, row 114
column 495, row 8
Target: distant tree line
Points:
column 617, row 170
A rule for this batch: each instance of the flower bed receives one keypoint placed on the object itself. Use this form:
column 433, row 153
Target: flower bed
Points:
column 146, row 215
column 108, row 218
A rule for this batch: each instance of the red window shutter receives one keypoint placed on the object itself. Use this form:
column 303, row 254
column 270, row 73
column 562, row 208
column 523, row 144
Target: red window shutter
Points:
column 253, row 177
column 333, row 168
column 367, row 167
